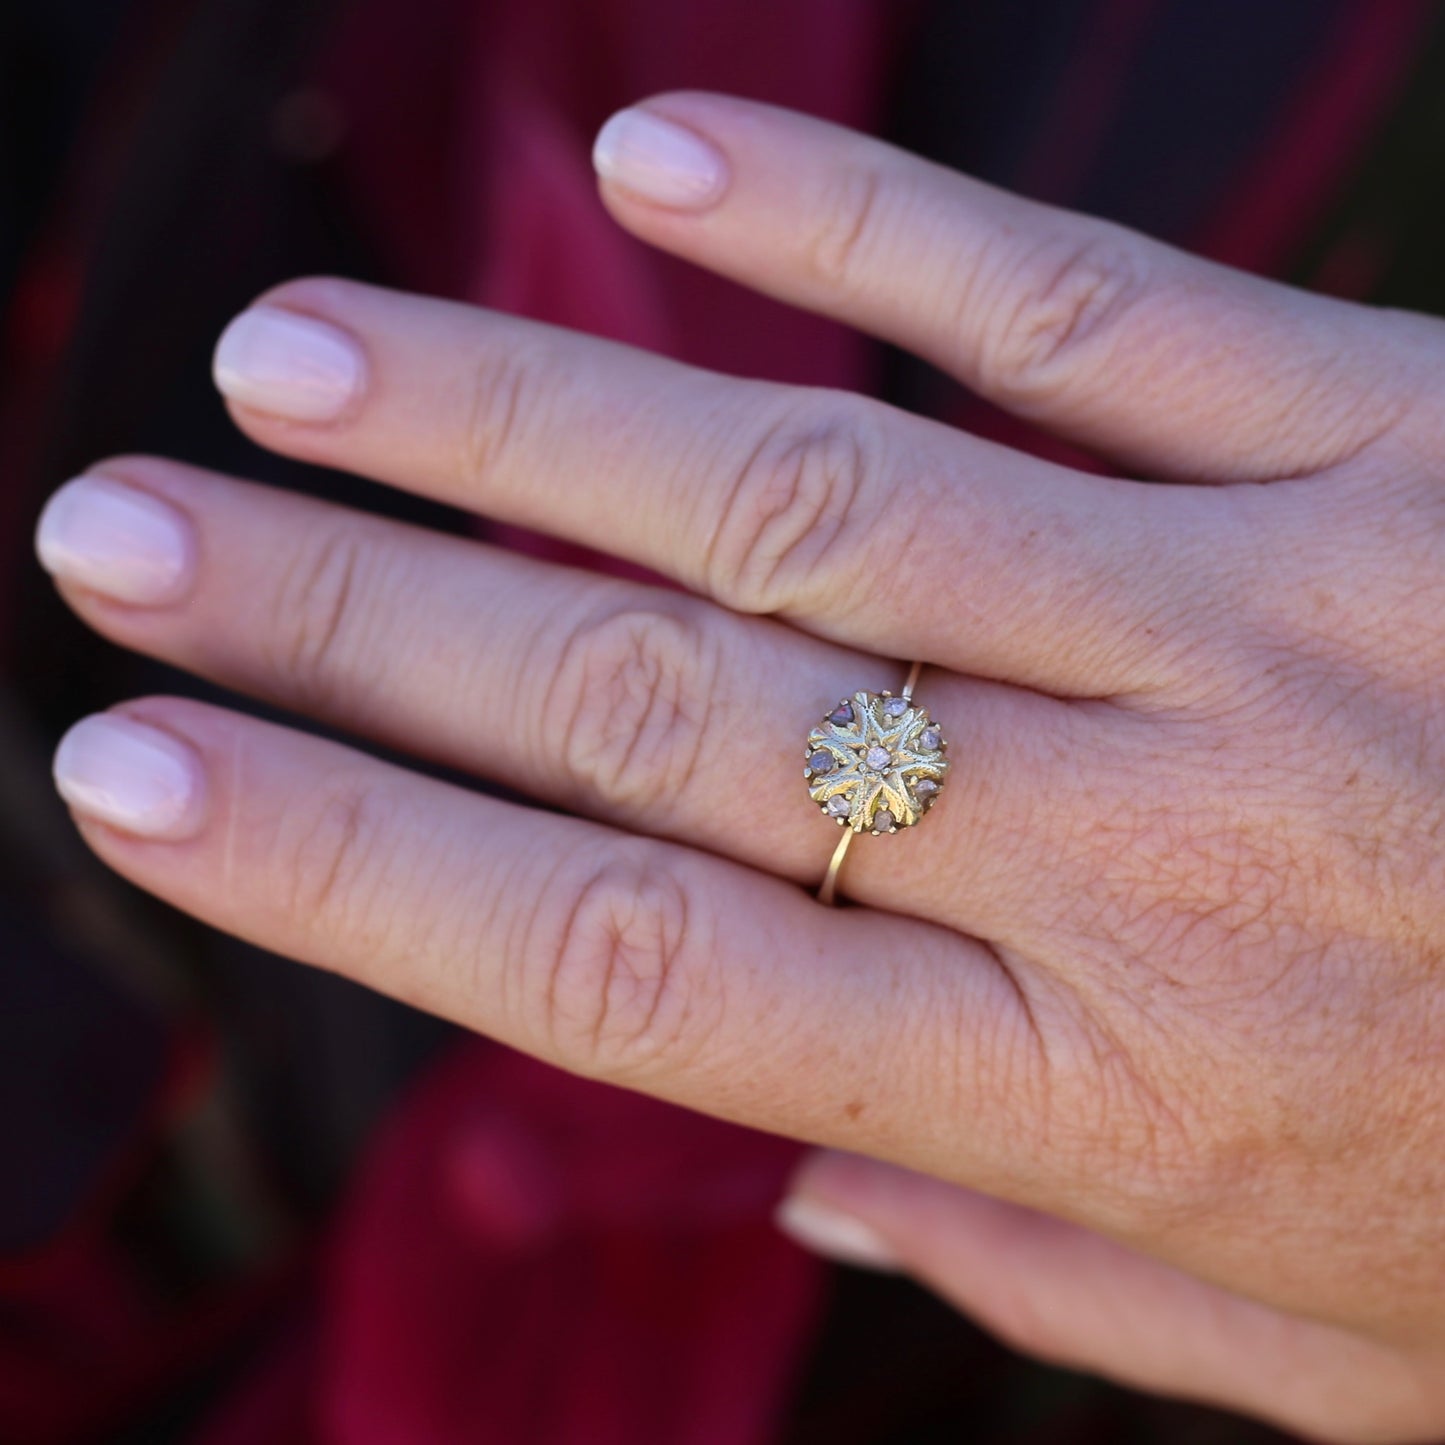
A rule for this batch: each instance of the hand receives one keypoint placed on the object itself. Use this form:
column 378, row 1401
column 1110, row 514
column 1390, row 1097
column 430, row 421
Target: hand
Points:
column 1165, row 964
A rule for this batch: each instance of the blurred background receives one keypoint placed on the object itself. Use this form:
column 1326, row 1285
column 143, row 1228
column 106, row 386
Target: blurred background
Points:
column 247, row 1202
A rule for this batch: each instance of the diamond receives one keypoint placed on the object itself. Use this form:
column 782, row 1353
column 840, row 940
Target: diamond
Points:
column 924, row 786
column 930, row 740
column 878, row 759
column 883, row 820
column 838, row 805
column 895, row 707
column 841, row 715
column 821, row 761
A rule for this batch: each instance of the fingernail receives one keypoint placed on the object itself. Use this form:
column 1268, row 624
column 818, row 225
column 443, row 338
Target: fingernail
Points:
column 835, row 1235
column 117, row 540
column 659, row 161
column 291, row 366
column 134, row 777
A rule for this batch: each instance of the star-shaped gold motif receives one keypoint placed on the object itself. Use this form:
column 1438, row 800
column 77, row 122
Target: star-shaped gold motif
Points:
column 887, row 765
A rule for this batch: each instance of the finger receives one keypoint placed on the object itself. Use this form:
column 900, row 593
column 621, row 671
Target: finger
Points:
column 1058, row 1291
column 626, row 959
column 634, row 704
column 852, row 520
column 1154, row 357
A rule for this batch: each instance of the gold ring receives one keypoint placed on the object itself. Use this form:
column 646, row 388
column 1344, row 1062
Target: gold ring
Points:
column 874, row 765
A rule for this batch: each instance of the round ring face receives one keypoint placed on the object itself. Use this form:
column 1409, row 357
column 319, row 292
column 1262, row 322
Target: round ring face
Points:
column 876, row 763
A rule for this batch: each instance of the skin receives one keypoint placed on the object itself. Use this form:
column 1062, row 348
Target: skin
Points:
column 1133, row 1048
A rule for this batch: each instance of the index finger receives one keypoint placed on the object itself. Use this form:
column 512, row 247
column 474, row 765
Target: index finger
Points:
column 1142, row 351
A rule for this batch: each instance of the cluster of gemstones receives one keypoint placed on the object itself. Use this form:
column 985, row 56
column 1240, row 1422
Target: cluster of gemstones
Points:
column 875, row 763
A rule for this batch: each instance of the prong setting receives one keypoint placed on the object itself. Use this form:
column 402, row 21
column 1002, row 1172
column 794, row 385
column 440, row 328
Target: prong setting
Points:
column 876, row 763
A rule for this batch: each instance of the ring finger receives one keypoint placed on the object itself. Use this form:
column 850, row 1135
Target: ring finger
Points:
column 633, row 704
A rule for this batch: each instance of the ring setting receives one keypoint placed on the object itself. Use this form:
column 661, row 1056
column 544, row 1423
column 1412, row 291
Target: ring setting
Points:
column 875, row 764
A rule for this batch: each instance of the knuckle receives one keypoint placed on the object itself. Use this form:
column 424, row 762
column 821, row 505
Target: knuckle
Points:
column 633, row 690
column 848, row 223
column 313, row 613
column 624, row 993
column 1056, row 311
column 330, row 856
column 505, row 388
column 793, row 503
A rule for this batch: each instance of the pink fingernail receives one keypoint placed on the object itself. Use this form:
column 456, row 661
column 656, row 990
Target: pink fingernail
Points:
column 134, row 777
column 659, row 160
column 290, row 366
column 117, row 540
column 835, row 1235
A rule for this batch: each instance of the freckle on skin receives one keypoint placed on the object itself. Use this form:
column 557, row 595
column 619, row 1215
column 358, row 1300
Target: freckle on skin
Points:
column 853, row 1109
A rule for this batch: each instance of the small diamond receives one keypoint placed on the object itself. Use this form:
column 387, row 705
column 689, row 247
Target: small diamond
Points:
column 895, row 707
column 930, row 740
column 878, row 759
column 883, row 820
column 924, row 786
column 841, row 715
column 838, row 805
column 821, row 761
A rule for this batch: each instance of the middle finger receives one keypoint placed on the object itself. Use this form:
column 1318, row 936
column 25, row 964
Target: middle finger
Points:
column 846, row 517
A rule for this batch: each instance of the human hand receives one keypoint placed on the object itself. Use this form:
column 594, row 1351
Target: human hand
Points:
column 1166, row 963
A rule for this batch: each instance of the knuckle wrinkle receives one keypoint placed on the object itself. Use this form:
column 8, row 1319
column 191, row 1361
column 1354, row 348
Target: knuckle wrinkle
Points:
column 792, row 504
column 314, row 608
column 328, row 857
column 619, row 995
column 850, row 214
column 1057, row 314
column 633, row 688
column 504, row 388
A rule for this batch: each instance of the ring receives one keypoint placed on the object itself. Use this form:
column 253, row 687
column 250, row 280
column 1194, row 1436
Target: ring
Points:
column 874, row 765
